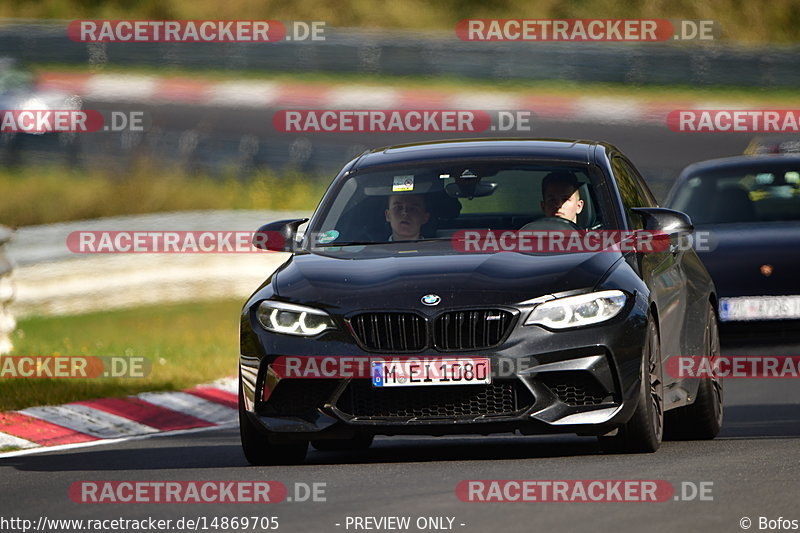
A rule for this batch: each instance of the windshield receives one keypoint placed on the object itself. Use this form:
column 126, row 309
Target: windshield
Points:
column 767, row 194
column 436, row 200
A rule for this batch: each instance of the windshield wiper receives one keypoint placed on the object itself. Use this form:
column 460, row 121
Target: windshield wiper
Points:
column 364, row 243
column 346, row 243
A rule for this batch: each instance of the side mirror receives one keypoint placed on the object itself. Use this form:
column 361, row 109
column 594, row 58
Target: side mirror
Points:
column 277, row 236
column 667, row 221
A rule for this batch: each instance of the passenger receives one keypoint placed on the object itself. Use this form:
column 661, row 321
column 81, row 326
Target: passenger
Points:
column 406, row 214
column 560, row 196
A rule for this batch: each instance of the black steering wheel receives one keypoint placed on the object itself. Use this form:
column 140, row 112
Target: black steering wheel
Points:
column 551, row 223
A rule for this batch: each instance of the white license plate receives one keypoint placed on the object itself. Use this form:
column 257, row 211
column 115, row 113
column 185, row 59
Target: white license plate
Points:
column 420, row 372
column 759, row 308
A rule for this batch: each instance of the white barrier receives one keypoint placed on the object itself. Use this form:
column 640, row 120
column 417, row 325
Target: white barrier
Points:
column 7, row 322
column 51, row 280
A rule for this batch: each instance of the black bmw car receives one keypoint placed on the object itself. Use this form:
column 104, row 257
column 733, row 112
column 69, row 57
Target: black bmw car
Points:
column 750, row 208
column 383, row 323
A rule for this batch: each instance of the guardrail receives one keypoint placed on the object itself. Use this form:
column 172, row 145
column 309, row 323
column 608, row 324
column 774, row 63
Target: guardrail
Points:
column 7, row 322
column 406, row 53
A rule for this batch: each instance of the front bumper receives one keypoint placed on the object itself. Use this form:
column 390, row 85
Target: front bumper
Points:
column 583, row 381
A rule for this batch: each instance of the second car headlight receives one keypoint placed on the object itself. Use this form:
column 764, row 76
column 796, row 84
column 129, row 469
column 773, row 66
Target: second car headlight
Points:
column 292, row 319
column 575, row 311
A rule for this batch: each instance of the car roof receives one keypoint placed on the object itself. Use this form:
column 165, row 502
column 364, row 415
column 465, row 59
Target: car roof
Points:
column 575, row 151
column 740, row 161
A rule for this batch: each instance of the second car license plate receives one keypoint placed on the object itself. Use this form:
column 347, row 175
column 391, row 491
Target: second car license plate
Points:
column 759, row 308
column 417, row 372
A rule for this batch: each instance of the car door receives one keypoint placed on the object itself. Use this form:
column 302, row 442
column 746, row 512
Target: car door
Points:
column 661, row 270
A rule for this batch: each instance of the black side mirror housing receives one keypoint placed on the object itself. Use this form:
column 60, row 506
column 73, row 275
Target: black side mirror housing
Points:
column 663, row 220
column 278, row 236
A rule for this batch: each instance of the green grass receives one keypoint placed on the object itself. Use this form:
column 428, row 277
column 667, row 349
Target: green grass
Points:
column 187, row 344
column 527, row 88
column 43, row 195
column 775, row 21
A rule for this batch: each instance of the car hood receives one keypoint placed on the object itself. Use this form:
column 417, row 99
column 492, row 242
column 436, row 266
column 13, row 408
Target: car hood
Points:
column 739, row 251
column 400, row 281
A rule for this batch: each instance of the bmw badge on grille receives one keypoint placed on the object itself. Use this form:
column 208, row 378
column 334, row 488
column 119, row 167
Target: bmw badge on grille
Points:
column 431, row 299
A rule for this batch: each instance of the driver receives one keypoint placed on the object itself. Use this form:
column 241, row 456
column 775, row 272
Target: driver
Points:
column 560, row 196
column 406, row 213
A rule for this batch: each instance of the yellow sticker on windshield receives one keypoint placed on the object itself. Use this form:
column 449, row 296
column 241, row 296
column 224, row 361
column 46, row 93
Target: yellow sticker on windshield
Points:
column 403, row 183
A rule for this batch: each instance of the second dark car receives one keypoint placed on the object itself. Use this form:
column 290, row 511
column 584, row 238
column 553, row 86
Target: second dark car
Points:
column 383, row 322
column 749, row 209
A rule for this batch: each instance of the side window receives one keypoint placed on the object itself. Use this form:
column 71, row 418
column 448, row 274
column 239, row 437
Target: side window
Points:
column 645, row 191
column 631, row 192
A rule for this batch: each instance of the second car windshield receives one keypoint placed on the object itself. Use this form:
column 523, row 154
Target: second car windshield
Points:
column 753, row 196
column 434, row 201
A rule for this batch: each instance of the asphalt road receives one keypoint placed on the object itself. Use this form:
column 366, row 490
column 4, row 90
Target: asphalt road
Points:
column 751, row 470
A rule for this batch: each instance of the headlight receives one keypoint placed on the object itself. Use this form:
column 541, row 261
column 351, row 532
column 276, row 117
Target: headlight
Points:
column 575, row 311
column 293, row 319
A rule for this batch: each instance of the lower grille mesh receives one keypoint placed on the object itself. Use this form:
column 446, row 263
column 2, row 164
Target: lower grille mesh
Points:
column 361, row 399
column 575, row 388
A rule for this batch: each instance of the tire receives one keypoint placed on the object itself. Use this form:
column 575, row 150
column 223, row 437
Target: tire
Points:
column 256, row 445
column 336, row 445
column 701, row 420
column 645, row 429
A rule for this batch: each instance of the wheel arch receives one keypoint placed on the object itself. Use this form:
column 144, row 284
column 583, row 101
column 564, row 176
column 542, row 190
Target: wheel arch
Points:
column 653, row 308
column 712, row 299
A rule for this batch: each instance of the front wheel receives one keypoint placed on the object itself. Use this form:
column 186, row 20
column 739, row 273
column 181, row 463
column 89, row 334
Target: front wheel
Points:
column 644, row 431
column 701, row 420
column 256, row 445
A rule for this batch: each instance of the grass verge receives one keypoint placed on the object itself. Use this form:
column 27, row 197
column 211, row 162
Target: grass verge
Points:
column 187, row 344
column 43, row 195
column 9, row 449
